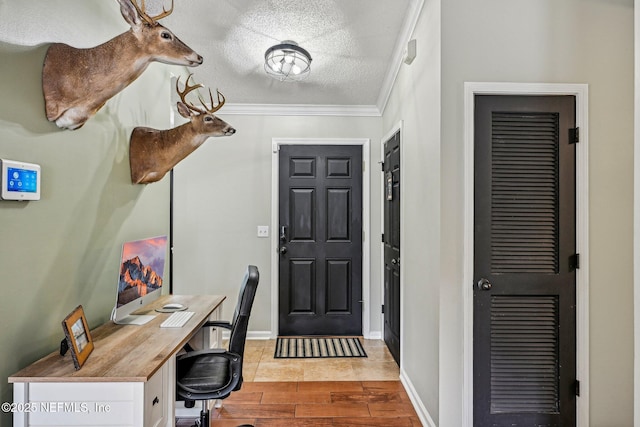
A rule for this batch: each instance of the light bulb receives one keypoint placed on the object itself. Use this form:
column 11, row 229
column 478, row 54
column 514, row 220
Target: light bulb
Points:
column 286, row 68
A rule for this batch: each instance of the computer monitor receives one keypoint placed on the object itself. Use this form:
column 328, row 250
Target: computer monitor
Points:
column 140, row 279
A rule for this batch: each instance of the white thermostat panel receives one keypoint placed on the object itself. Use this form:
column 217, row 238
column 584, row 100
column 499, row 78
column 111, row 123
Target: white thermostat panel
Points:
column 20, row 180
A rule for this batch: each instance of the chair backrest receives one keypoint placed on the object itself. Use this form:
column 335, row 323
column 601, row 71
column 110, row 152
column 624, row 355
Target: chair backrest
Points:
column 240, row 321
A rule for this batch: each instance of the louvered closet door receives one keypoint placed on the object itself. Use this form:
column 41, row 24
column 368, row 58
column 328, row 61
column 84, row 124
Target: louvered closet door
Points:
column 524, row 283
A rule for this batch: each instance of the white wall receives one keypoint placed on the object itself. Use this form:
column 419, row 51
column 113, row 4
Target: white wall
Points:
column 548, row 41
column 223, row 192
column 64, row 249
column 416, row 101
column 527, row 41
column 458, row 41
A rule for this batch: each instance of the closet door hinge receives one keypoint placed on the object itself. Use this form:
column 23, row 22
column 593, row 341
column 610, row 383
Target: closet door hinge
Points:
column 577, row 388
column 574, row 262
column 574, row 135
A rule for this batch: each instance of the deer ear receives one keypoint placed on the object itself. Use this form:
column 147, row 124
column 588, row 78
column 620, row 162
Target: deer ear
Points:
column 129, row 13
column 184, row 110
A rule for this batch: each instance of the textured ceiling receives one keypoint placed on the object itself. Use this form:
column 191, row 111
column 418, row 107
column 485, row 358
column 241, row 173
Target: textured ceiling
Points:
column 352, row 43
column 356, row 45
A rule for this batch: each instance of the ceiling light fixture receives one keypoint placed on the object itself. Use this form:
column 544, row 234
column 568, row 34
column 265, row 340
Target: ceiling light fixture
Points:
column 287, row 61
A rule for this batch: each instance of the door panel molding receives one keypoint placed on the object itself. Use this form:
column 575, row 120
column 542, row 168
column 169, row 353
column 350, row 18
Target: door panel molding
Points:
column 274, row 241
column 580, row 91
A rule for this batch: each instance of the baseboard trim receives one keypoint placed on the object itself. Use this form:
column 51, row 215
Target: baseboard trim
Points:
column 373, row 335
column 421, row 410
column 267, row 335
column 259, row 335
column 251, row 335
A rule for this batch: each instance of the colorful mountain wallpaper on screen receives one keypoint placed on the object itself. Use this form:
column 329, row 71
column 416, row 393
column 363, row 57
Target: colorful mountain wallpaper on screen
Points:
column 141, row 268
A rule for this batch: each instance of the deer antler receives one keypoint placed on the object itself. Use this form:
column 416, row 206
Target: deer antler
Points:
column 217, row 107
column 188, row 89
column 151, row 20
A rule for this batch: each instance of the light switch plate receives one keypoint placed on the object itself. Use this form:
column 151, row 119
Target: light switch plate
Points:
column 263, row 231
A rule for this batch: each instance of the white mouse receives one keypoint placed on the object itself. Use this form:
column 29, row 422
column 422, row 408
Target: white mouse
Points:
column 172, row 306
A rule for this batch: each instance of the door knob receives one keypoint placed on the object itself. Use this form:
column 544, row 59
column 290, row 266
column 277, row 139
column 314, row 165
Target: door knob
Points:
column 283, row 250
column 394, row 261
column 484, row 284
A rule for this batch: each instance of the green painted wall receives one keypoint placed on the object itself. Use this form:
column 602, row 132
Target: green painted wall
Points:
column 64, row 250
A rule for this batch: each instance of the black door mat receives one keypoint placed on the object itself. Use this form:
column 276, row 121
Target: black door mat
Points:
column 318, row 347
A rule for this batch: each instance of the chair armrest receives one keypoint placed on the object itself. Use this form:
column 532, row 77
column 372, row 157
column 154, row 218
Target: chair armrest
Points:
column 218, row 324
column 213, row 351
column 210, row 323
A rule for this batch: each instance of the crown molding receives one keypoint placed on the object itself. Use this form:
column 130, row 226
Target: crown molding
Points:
column 405, row 34
column 301, row 110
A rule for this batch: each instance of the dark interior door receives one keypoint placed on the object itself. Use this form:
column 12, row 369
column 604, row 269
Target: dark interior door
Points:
column 391, row 241
column 320, row 240
column 524, row 269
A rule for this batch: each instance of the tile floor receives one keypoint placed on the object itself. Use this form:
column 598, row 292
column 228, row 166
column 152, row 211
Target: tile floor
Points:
column 341, row 392
column 260, row 365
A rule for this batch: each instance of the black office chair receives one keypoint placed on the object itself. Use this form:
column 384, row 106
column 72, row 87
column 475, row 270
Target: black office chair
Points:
column 216, row 373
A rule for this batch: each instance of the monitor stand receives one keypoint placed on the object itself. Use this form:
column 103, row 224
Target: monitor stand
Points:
column 135, row 319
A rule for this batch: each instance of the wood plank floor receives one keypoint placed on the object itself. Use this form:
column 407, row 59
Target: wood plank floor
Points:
column 317, row 392
column 317, row 404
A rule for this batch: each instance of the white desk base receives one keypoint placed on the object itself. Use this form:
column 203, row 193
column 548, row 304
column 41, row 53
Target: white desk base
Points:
column 123, row 404
column 66, row 401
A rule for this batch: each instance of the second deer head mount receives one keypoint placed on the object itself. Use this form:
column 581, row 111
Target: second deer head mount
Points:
column 77, row 82
column 152, row 153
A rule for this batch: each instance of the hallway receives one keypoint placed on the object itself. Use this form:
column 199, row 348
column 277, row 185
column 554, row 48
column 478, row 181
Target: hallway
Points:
column 341, row 392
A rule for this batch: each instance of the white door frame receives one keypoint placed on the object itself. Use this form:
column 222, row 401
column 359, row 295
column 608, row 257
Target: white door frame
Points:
column 580, row 91
column 275, row 244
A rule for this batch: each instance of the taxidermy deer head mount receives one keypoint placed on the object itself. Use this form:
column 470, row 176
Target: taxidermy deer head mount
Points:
column 152, row 153
column 77, row 82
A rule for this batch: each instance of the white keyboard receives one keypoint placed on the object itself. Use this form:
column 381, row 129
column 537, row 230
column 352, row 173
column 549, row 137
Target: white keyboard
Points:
column 177, row 319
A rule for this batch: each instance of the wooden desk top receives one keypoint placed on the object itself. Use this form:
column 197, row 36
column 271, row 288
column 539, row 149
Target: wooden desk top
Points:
column 125, row 353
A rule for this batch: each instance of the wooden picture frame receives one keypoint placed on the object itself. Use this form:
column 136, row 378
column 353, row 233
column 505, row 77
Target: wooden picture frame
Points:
column 78, row 336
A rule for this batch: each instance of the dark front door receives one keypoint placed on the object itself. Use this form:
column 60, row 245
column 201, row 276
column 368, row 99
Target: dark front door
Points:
column 320, row 240
column 391, row 241
column 524, row 369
